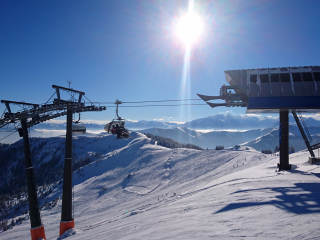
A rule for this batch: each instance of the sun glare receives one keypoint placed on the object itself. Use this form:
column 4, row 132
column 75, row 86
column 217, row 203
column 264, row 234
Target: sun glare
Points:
column 189, row 28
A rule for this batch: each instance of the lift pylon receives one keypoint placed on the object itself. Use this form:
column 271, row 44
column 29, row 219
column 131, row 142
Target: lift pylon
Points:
column 33, row 114
column 37, row 229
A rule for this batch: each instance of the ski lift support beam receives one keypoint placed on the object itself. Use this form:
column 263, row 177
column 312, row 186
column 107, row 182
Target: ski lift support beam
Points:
column 67, row 89
column 6, row 102
column 42, row 113
column 303, row 134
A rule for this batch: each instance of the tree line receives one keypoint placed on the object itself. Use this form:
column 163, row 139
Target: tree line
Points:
column 170, row 143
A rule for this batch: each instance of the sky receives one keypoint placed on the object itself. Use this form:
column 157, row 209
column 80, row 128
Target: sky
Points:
column 129, row 50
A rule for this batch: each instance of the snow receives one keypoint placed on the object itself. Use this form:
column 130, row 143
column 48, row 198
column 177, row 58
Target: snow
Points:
column 69, row 233
column 145, row 191
column 220, row 130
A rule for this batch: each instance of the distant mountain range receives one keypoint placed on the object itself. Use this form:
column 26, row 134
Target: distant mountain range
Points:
column 222, row 129
column 208, row 139
column 230, row 121
column 267, row 138
column 216, row 122
column 271, row 139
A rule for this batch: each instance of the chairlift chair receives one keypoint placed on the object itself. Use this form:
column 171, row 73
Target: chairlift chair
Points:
column 78, row 127
column 116, row 126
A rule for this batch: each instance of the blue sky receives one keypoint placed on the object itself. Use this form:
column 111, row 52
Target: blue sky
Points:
column 126, row 49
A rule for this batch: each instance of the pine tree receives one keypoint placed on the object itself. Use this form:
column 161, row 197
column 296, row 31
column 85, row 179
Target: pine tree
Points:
column 4, row 225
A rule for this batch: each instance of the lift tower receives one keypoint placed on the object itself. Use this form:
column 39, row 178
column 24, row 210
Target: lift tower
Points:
column 37, row 229
column 33, row 114
column 74, row 105
column 274, row 90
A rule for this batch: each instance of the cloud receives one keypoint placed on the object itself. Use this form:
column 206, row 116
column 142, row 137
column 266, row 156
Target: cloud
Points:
column 315, row 116
column 55, row 121
column 177, row 122
column 226, row 112
column 130, row 120
column 251, row 115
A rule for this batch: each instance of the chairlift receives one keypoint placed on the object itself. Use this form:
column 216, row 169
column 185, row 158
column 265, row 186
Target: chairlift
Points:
column 116, row 126
column 78, row 127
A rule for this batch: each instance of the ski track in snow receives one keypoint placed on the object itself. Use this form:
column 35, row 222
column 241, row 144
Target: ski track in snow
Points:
column 145, row 191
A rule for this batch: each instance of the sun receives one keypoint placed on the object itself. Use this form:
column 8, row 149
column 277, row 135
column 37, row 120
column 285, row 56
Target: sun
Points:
column 189, row 28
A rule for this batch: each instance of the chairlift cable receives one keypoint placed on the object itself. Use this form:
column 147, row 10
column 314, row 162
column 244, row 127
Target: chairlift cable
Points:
column 171, row 105
column 166, row 101
column 8, row 135
column 87, row 98
column 155, row 101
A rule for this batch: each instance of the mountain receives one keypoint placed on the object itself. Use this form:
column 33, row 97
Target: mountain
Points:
column 140, row 190
column 143, row 124
column 259, row 139
column 230, row 121
column 208, row 139
column 229, row 129
column 48, row 156
column 309, row 121
column 271, row 139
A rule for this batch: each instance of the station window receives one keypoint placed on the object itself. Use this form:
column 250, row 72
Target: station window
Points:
column 274, row 78
column 307, row 77
column 296, row 77
column 316, row 76
column 253, row 78
column 264, row 78
column 285, row 77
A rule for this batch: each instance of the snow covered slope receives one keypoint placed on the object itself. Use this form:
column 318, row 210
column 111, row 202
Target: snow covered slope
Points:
column 208, row 139
column 145, row 191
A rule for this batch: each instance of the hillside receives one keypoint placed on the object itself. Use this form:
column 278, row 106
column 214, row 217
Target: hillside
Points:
column 145, row 191
column 208, row 139
column 271, row 139
column 217, row 122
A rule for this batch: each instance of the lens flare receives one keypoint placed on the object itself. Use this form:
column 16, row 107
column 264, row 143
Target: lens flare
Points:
column 189, row 28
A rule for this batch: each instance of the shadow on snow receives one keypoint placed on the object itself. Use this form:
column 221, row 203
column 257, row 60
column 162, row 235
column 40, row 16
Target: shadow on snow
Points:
column 304, row 198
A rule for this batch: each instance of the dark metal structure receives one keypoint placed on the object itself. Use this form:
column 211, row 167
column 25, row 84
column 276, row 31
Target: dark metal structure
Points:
column 31, row 115
column 284, row 140
column 66, row 212
column 274, row 90
column 35, row 218
column 303, row 133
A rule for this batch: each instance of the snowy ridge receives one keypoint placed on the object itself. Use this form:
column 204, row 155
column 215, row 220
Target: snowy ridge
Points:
column 145, row 191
